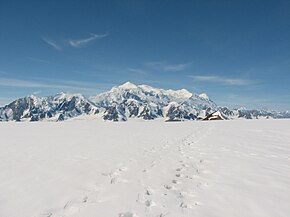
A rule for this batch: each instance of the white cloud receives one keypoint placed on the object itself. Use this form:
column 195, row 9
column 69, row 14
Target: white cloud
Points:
column 36, row 92
column 71, row 85
column 176, row 67
column 84, row 41
column 138, row 71
column 163, row 66
column 222, row 80
column 38, row 60
column 7, row 82
column 73, row 43
column 52, row 43
column 154, row 64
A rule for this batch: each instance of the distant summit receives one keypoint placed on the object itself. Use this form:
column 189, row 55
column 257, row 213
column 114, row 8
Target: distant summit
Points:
column 128, row 85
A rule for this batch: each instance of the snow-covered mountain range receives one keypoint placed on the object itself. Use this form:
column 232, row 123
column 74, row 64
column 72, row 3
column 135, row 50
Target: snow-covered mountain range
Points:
column 126, row 101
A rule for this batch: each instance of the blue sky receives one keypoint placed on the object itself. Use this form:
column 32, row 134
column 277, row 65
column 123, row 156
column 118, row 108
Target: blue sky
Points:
column 238, row 52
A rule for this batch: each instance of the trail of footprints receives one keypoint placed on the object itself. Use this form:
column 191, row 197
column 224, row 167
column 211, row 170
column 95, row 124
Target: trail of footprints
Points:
column 188, row 172
column 115, row 175
column 184, row 174
column 72, row 207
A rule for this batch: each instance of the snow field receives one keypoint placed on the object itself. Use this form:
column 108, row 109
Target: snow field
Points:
column 93, row 168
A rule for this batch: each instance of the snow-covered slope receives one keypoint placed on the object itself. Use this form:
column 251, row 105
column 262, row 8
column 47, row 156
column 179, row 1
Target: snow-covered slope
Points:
column 133, row 169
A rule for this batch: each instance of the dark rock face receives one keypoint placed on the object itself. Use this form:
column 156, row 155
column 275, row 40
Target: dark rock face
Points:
column 24, row 108
column 76, row 106
column 111, row 114
column 19, row 106
column 178, row 113
column 34, row 118
column 244, row 114
column 115, row 113
column 218, row 115
column 147, row 114
column 226, row 111
column 133, row 108
column 60, row 117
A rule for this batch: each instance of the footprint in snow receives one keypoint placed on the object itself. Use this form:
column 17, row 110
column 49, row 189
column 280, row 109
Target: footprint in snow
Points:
column 46, row 215
column 176, row 182
column 179, row 169
column 149, row 203
column 118, row 180
column 189, row 206
column 149, row 191
column 185, row 165
column 122, row 169
column 85, row 199
column 115, row 172
column 127, row 214
column 110, row 174
column 168, row 187
column 188, row 177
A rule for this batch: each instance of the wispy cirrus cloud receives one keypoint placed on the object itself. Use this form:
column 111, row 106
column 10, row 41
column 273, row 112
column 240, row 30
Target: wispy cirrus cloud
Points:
column 222, row 80
column 176, row 67
column 10, row 82
column 43, row 86
column 75, row 43
column 67, row 85
column 36, row 92
column 138, row 71
column 85, row 41
column 52, row 43
column 166, row 67
column 37, row 60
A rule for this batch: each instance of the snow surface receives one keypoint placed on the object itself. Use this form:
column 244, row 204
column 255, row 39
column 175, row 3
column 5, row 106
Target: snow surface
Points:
column 90, row 168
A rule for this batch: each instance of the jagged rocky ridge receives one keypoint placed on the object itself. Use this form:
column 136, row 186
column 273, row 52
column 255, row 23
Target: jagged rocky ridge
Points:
column 123, row 102
column 59, row 107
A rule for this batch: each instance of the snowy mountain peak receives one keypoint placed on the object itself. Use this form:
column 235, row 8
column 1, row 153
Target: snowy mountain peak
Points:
column 204, row 96
column 32, row 96
column 184, row 93
column 128, row 85
column 68, row 96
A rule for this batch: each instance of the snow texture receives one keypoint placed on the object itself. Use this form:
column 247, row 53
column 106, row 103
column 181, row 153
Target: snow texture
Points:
column 87, row 168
